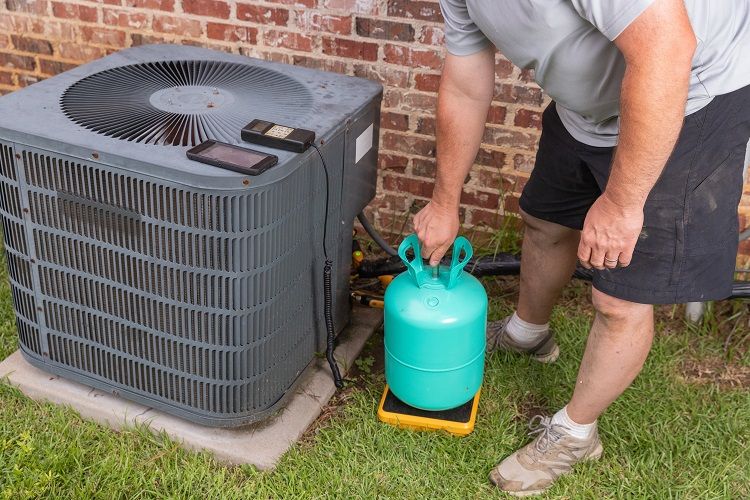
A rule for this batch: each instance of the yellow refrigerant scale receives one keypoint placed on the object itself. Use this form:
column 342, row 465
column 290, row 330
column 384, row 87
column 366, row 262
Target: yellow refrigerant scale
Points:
column 457, row 421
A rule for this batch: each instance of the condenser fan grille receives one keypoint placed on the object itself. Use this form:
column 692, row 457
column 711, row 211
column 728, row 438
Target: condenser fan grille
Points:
column 181, row 103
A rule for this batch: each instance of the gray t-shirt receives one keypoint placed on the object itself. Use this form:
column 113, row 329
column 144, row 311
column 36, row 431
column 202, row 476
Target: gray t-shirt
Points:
column 569, row 45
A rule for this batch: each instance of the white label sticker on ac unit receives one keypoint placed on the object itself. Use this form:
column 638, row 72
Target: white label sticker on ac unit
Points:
column 364, row 143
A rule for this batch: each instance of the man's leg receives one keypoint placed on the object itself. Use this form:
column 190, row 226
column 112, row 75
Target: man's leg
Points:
column 618, row 343
column 548, row 259
column 617, row 347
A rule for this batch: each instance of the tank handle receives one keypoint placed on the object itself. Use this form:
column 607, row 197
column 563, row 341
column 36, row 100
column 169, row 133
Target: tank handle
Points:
column 414, row 266
column 461, row 245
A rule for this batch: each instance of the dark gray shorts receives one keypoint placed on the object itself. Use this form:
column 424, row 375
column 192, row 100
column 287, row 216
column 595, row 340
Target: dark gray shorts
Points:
column 688, row 246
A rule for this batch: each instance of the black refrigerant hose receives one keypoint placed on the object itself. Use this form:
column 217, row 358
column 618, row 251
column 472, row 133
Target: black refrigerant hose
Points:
column 328, row 290
column 375, row 235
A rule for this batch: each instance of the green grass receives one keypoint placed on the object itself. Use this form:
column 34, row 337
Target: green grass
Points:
column 667, row 437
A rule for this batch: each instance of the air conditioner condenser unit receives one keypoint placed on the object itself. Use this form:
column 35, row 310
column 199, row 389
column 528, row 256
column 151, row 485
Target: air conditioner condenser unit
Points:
column 185, row 287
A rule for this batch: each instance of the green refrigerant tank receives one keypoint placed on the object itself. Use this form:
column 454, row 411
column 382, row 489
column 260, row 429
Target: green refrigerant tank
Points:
column 435, row 321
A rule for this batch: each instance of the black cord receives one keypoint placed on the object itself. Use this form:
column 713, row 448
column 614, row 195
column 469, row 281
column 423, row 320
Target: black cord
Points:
column 328, row 289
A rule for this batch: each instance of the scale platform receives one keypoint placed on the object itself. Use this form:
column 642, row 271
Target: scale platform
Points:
column 458, row 421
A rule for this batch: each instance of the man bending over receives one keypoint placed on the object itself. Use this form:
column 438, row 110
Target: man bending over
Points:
column 638, row 176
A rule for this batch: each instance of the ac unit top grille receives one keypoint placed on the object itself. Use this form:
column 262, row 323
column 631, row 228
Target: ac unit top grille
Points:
column 181, row 103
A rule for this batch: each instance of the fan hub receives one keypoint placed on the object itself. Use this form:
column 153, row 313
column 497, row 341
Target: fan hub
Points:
column 193, row 99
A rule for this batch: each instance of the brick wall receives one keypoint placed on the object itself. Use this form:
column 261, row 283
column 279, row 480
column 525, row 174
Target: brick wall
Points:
column 396, row 42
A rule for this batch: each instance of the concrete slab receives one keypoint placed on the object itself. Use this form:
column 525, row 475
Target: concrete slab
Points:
column 260, row 444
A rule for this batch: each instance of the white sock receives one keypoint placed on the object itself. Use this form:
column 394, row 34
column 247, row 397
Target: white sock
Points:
column 580, row 431
column 525, row 334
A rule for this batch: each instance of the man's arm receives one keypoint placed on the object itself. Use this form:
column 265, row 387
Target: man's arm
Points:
column 466, row 88
column 658, row 48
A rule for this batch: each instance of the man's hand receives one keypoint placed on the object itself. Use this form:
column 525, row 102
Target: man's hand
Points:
column 609, row 234
column 436, row 228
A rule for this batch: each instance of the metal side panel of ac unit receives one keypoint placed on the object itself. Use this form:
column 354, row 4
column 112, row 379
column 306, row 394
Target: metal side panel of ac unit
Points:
column 193, row 302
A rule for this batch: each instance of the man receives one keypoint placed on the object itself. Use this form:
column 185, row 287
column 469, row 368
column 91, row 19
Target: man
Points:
column 666, row 81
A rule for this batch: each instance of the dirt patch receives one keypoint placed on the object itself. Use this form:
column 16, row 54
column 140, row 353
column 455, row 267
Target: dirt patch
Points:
column 530, row 406
column 715, row 372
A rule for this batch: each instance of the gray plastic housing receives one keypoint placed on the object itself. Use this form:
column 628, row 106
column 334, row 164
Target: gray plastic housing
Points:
column 188, row 288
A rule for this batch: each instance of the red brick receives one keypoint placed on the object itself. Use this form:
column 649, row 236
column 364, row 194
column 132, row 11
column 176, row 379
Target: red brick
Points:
column 325, row 64
column 432, row 35
column 387, row 75
column 358, row 6
column 176, row 25
column 480, row 199
column 490, row 157
column 501, row 136
column 52, row 30
column 6, row 78
column 262, row 15
column 491, row 178
column 275, row 56
column 392, row 98
column 34, row 45
column 67, row 10
column 426, row 125
column 523, row 163
column 527, row 118
column 424, row 167
column 167, row 5
column 141, row 39
column 409, row 144
column 103, row 36
column 415, row 58
column 31, row 6
column 25, row 80
column 484, row 217
column 496, row 114
column 79, row 52
column 393, row 162
column 288, row 40
column 400, row 184
column 208, row 8
column 17, row 61
column 427, row 82
column 232, row 33
column 518, row 94
column 503, row 68
column 394, row 121
column 418, row 102
column 424, row 11
column 392, row 202
column 385, row 30
column 354, row 49
column 510, row 204
column 125, row 19
column 527, row 75
column 520, row 182
column 51, row 67
column 315, row 21
column 296, row 3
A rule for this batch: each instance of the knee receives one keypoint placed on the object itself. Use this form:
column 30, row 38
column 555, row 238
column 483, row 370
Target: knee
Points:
column 546, row 233
column 612, row 309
